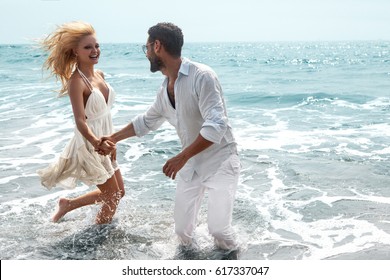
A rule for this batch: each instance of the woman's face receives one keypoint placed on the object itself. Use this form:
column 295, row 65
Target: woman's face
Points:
column 88, row 50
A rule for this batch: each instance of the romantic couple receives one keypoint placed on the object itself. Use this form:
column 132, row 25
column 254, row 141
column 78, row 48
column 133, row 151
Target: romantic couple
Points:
column 190, row 99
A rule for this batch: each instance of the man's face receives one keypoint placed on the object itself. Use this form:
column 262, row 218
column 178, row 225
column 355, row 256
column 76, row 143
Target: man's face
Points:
column 155, row 61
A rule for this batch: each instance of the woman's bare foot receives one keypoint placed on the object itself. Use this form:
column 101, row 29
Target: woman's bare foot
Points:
column 63, row 206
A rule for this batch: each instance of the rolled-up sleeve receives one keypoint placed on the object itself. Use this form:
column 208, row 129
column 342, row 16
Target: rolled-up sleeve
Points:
column 151, row 120
column 211, row 107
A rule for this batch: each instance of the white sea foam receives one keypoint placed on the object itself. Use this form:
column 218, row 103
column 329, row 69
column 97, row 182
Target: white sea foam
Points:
column 323, row 237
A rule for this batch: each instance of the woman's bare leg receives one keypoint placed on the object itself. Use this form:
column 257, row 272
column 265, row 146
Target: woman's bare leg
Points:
column 109, row 197
column 66, row 205
column 119, row 180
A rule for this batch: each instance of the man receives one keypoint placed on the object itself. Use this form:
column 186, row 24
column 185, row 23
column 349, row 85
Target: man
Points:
column 191, row 100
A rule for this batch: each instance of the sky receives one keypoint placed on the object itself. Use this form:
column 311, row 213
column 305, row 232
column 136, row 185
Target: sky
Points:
column 127, row 21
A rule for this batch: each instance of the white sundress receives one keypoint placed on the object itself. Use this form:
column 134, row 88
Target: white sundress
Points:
column 79, row 161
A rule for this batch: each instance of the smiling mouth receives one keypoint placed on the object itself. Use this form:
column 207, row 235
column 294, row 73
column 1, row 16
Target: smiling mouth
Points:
column 94, row 57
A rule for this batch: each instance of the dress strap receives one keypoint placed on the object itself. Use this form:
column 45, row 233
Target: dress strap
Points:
column 85, row 79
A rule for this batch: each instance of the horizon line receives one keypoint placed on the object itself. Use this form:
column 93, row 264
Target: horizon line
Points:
column 238, row 41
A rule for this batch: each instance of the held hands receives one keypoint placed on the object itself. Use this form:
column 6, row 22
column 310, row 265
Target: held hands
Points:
column 105, row 147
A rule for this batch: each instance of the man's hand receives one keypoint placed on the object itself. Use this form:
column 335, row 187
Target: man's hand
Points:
column 176, row 163
column 173, row 165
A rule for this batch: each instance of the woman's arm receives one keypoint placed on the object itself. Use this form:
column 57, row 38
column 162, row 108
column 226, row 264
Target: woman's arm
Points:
column 76, row 89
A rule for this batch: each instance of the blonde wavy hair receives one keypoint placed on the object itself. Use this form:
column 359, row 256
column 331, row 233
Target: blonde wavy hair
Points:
column 61, row 60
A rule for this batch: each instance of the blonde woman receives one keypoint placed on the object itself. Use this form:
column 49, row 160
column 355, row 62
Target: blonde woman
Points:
column 73, row 51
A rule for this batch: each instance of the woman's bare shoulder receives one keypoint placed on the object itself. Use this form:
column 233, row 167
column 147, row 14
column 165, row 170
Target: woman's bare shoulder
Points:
column 100, row 72
column 76, row 83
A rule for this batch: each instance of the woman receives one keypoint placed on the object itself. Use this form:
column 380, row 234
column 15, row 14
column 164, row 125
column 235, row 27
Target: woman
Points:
column 73, row 51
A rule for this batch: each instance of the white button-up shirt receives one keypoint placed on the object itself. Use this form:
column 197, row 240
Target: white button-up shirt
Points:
column 200, row 108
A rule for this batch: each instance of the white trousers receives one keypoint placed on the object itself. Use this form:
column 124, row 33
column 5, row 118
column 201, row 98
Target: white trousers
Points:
column 221, row 189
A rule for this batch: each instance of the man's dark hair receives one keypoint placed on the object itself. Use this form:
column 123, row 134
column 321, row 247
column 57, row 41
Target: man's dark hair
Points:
column 170, row 36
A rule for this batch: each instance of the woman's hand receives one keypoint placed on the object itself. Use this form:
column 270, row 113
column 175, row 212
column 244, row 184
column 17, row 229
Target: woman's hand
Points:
column 105, row 147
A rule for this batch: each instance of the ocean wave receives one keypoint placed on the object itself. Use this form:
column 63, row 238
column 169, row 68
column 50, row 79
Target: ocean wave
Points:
column 312, row 125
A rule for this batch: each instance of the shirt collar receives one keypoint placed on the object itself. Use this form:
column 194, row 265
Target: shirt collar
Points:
column 184, row 66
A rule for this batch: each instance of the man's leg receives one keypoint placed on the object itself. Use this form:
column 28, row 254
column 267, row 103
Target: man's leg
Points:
column 187, row 204
column 222, row 188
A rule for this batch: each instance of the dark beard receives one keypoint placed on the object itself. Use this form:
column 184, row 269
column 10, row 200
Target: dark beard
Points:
column 156, row 64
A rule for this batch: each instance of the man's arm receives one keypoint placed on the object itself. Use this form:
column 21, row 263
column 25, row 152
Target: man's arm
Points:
column 173, row 165
column 126, row 132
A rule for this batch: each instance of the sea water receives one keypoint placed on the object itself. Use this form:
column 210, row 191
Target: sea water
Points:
column 312, row 122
